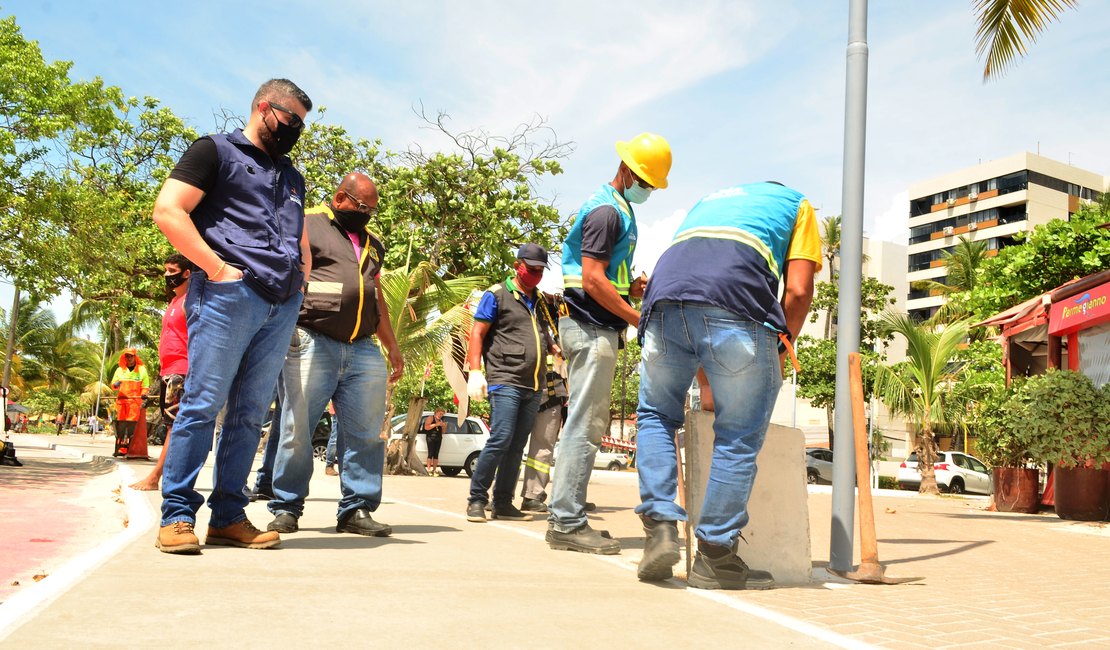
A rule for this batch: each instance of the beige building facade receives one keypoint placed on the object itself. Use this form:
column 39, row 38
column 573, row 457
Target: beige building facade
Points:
column 989, row 202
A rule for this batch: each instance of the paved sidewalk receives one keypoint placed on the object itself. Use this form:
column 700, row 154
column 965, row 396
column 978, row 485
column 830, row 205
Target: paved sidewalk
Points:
column 990, row 580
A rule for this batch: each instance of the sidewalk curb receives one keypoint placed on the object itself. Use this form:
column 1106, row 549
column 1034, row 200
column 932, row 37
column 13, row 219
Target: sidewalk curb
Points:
column 26, row 604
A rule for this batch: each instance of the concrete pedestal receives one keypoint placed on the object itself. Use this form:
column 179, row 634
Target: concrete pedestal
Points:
column 778, row 533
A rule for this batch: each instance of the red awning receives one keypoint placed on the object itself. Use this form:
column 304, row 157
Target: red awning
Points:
column 1031, row 313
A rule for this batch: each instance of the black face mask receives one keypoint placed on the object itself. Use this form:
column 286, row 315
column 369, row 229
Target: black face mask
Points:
column 174, row 281
column 351, row 220
column 284, row 136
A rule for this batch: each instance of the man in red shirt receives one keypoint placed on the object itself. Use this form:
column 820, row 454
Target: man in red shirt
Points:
column 173, row 353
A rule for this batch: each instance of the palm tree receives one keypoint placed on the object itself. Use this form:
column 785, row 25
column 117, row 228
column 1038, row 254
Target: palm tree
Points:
column 1006, row 25
column 920, row 388
column 425, row 311
column 963, row 263
column 32, row 336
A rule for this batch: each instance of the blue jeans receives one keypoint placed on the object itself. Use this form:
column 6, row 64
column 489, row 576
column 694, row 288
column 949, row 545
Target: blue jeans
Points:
column 264, row 475
column 512, row 414
column 319, row 368
column 329, row 452
column 237, row 341
column 741, row 359
column 591, row 353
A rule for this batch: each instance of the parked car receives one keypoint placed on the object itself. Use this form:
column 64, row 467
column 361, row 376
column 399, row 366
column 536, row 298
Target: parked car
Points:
column 613, row 461
column 819, row 465
column 461, row 444
column 956, row 473
column 320, row 434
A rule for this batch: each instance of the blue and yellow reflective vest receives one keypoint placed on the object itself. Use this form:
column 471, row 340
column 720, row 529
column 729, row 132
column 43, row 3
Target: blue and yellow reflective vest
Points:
column 618, row 272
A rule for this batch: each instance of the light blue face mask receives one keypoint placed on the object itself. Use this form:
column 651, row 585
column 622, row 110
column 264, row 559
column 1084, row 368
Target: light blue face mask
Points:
column 637, row 193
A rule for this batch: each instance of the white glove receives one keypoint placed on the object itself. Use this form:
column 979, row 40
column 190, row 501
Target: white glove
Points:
column 476, row 386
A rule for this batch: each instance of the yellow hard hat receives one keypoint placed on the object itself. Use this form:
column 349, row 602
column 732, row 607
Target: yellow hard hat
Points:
column 649, row 156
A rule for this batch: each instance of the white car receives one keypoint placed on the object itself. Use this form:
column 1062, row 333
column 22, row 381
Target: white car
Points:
column 613, row 461
column 461, row 444
column 956, row 473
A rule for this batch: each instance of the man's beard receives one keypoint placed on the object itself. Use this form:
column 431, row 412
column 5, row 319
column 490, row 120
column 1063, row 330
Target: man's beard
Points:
column 266, row 137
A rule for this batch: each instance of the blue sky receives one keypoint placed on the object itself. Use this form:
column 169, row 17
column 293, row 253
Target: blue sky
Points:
column 744, row 90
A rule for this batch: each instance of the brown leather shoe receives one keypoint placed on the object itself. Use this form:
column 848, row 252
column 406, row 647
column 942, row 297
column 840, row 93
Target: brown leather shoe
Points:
column 178, row 537
column 242, row 534
column 331, row 471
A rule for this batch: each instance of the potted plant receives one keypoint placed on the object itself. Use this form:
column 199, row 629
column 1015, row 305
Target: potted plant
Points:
column 1068, row 421
column 1004, row 443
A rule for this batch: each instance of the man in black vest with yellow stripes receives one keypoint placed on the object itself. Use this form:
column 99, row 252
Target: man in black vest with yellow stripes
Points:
column 511, row 332
column 333, row 356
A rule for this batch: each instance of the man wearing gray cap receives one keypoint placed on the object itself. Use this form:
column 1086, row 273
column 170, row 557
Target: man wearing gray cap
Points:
column 511, row 332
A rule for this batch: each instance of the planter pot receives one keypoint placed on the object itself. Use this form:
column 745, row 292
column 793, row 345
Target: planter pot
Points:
column 1015, row 489
column 1082, row 494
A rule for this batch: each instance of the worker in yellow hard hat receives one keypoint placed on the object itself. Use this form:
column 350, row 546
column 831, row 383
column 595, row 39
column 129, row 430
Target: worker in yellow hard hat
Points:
column 597, row 288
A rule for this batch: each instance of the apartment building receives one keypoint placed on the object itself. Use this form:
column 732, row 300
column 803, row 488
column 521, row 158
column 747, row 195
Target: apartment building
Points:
column 990, row 202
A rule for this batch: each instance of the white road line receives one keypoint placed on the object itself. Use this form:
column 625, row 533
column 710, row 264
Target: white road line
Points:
column 722, row 598
column 30, row 600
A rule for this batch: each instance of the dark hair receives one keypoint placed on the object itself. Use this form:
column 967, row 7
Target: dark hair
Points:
column 278, row 90
column 180, row 261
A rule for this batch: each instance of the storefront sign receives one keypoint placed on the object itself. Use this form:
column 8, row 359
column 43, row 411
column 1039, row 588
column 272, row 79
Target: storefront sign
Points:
column 1081, row 311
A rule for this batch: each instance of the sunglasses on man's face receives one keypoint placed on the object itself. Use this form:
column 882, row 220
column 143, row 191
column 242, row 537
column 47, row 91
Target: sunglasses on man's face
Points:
column 362, row 207
column 295, row 120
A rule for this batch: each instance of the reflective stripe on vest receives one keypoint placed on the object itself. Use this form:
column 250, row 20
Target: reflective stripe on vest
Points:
column 617, row 272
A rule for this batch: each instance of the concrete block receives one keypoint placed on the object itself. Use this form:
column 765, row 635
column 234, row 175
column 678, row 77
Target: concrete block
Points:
column 778, row 532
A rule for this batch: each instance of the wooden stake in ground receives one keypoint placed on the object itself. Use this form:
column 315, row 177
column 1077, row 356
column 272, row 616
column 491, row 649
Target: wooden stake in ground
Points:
column 869, row 570
column 678, row 452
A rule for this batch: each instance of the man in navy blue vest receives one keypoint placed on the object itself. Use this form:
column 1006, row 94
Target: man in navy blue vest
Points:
column 233, row 205
column 511, row 334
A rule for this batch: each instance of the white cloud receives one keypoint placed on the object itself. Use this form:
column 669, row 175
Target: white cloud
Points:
column 654, row 238
column 893, row 223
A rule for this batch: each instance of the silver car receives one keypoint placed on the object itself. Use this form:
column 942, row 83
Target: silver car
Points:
column 819, row 465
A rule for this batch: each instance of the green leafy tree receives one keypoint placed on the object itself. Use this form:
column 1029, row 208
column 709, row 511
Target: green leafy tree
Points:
column 984, row 376
column 464, row 211
column 326, row 153
column 1054, row 253
column 817, row 357
column 626, row 383
column 38, row 104
column 921, row 387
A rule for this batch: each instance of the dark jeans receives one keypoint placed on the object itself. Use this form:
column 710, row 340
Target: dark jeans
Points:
column 512, row 414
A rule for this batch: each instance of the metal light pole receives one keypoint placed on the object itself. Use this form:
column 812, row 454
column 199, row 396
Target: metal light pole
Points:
column 851, row 272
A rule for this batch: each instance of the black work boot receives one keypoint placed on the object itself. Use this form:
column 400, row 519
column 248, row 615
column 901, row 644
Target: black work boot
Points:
column 660, row 549
column 718, row 567
column 584, row 540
